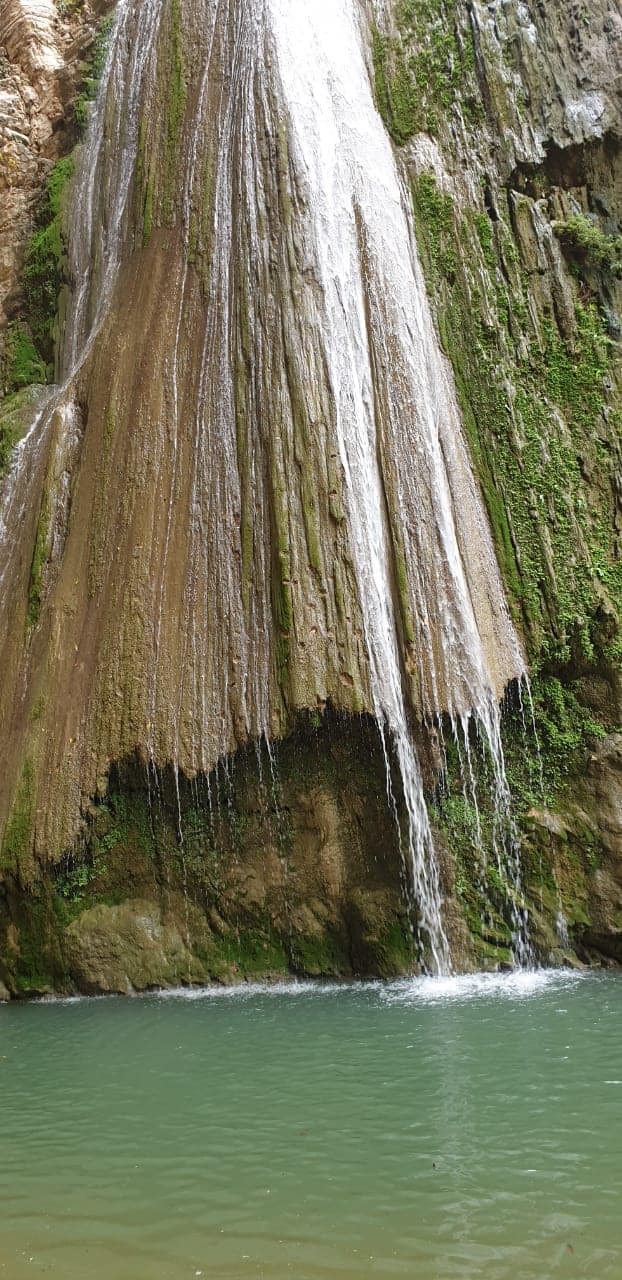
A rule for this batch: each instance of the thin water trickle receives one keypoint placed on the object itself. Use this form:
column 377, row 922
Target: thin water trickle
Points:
column 106, row 163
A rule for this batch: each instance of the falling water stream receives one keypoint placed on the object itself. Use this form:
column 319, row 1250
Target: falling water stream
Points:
column 390, row 392
column 382, row 348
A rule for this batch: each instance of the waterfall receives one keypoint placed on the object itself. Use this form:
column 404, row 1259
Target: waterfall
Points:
column 388, row 378
column 305, row 526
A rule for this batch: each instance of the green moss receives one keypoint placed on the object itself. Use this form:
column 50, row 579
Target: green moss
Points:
column 16, row 414
column 74, row 879
column 420, row 73
column 484, row 233
column 321, row 956
column 486, row 891
column 281, row 588
column 30, row 342
column 534, row 405
column 490, row 956
column 123, row 822
column 130, row 847
column 118, row 848
column 566, row 731
column 403, row 589
column 435, row 210
column 148, row 212
column 33, row 983
column 18, row 831
column 559, row 849
column 587, row 246
column 380, row 55
column 554, row 541
column 254, row 952
column 395, row 951
column 144, row 187
column 45, row 260
column 99, row 53
column 36, row 963
column 22, row 363
column 175, row 108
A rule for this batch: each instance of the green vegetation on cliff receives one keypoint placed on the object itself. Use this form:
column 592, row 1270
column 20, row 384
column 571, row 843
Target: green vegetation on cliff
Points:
column 22, row 363
column 533, row 402
column 586, row 245
column 279, row 862
column 16, row 841
column 419, row 75
column 537, row 374
column 45, row 260
column 176, row 106
column 30, row 342
column 99, row 53
column 39, row 560
column 16, row 415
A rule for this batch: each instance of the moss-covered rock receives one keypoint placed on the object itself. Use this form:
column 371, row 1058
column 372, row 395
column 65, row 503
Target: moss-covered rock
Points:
column 130, row 947
column 277, row 863
column 17, row 412
column 518, row 223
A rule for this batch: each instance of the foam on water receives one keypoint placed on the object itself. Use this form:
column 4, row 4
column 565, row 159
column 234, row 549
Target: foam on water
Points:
column 250, row 990
column 518, row 985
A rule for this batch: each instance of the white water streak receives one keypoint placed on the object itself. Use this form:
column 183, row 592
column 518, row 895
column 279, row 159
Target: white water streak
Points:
column 378, row 325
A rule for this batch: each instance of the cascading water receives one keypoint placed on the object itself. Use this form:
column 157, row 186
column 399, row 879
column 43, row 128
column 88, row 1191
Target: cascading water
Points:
column 382, row 350
column 302, row 523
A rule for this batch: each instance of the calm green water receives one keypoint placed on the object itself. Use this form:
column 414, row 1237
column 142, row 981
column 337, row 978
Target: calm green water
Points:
column 437, row 1129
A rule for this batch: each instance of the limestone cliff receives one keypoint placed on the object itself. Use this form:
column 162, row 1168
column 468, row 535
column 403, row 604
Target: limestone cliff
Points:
column 509, row 120
column 187, row 574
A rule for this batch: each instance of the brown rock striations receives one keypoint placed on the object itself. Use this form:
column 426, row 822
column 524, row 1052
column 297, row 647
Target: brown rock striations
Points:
column 201, row 571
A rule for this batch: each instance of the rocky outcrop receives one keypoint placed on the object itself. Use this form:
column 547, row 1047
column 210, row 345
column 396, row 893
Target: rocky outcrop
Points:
column 546, row 73
column 131, row 947
column 513, row 149
column 287, row 862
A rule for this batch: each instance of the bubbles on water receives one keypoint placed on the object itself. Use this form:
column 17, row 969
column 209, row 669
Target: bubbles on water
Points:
column 250, row 990
column 517, row 985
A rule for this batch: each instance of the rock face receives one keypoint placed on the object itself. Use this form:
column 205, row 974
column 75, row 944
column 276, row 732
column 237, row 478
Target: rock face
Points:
column 253, row 489
column 297, row 870
column 43, row 48
column 126, row 948
column 197, row 563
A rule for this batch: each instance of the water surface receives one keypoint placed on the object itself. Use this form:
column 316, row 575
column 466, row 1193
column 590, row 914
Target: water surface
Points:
column 435, row 1129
